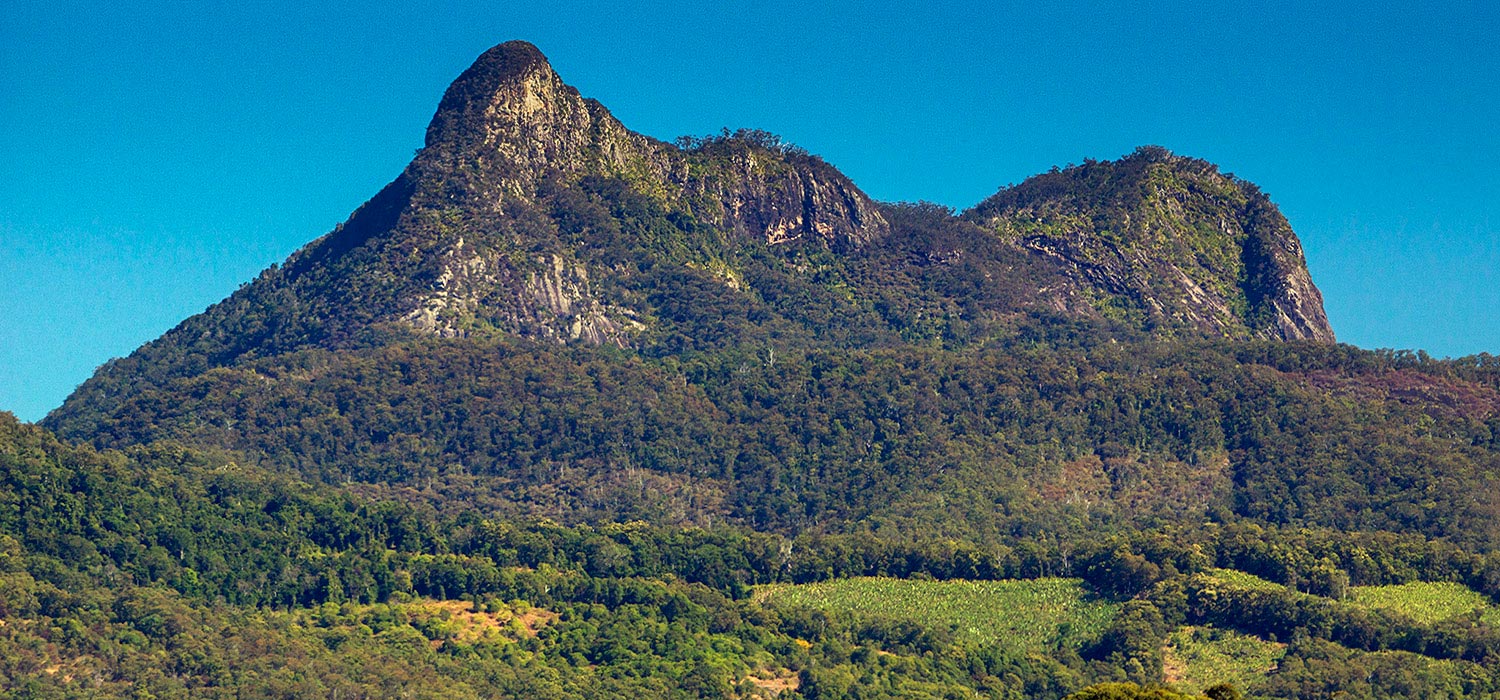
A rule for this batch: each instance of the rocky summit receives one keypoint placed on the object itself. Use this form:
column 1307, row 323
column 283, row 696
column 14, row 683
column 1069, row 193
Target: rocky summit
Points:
column 1168, row 238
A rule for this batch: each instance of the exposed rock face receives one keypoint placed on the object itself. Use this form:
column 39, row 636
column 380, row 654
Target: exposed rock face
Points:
column 1168, row 241
column 552, row 302
column 786, row 200
column 507, row 128
column 1277, row 281
column 509, row 122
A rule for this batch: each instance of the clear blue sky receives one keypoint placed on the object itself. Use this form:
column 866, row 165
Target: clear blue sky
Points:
column 155, row 155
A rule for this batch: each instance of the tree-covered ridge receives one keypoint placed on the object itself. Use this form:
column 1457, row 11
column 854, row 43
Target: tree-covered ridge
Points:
column 980, row 444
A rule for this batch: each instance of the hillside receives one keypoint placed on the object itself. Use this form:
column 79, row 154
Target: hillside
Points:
column 621, row 396
column 177, row 573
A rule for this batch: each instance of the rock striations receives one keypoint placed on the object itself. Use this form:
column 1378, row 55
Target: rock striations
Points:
column 1168, row 240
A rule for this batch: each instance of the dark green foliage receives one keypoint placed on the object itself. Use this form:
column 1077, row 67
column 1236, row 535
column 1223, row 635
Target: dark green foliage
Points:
column 1133, row 642
column 202, row 535
column 99, row 604
column 1317, row 668
column 1128, row 691
column 1061, row 439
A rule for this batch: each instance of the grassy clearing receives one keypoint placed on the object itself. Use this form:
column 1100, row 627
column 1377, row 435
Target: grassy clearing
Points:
column 1195, row 658
column 1426, row 603
column 1020, row 615
column 1240, row 579
column 438, row 620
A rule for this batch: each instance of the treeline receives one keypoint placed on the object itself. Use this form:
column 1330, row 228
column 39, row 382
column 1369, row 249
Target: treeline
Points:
column 1285, row 614
column 221, row 531
column 1325, row 637
column 985, row 446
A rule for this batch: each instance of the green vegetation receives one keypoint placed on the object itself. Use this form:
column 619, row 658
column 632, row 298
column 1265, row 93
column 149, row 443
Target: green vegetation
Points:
column 1319, row 669
column 1240, row 579
column 225, row 580
column 1427, row 602
column 1019, row 616
column 904, row 440
column 1131, row 691
column 1197, row 658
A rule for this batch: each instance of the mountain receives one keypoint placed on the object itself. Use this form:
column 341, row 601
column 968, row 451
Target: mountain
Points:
column 1173, row 239
column 548, row 314
column 416, row 343
column 620, row 395
column 533, row 213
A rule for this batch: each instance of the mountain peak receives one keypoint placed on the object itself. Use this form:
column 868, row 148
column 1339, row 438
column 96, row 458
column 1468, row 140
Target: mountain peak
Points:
column 507, row 60
column 1170, row 240
column 509, row 124
column 513, row 76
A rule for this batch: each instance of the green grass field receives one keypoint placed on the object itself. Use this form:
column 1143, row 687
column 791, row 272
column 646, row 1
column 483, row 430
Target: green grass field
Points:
column 1240, row 579
column 1195, row 658
column 1426, row 603
column 1019, row 615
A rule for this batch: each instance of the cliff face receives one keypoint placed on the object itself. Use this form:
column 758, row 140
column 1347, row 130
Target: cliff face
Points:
column 1163, row 240
column 509, row 123
column 508, row 131
column 1277, row 283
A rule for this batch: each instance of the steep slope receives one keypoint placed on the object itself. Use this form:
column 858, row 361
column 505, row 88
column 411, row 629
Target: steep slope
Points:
column 470, row 239
column 1165, row 240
